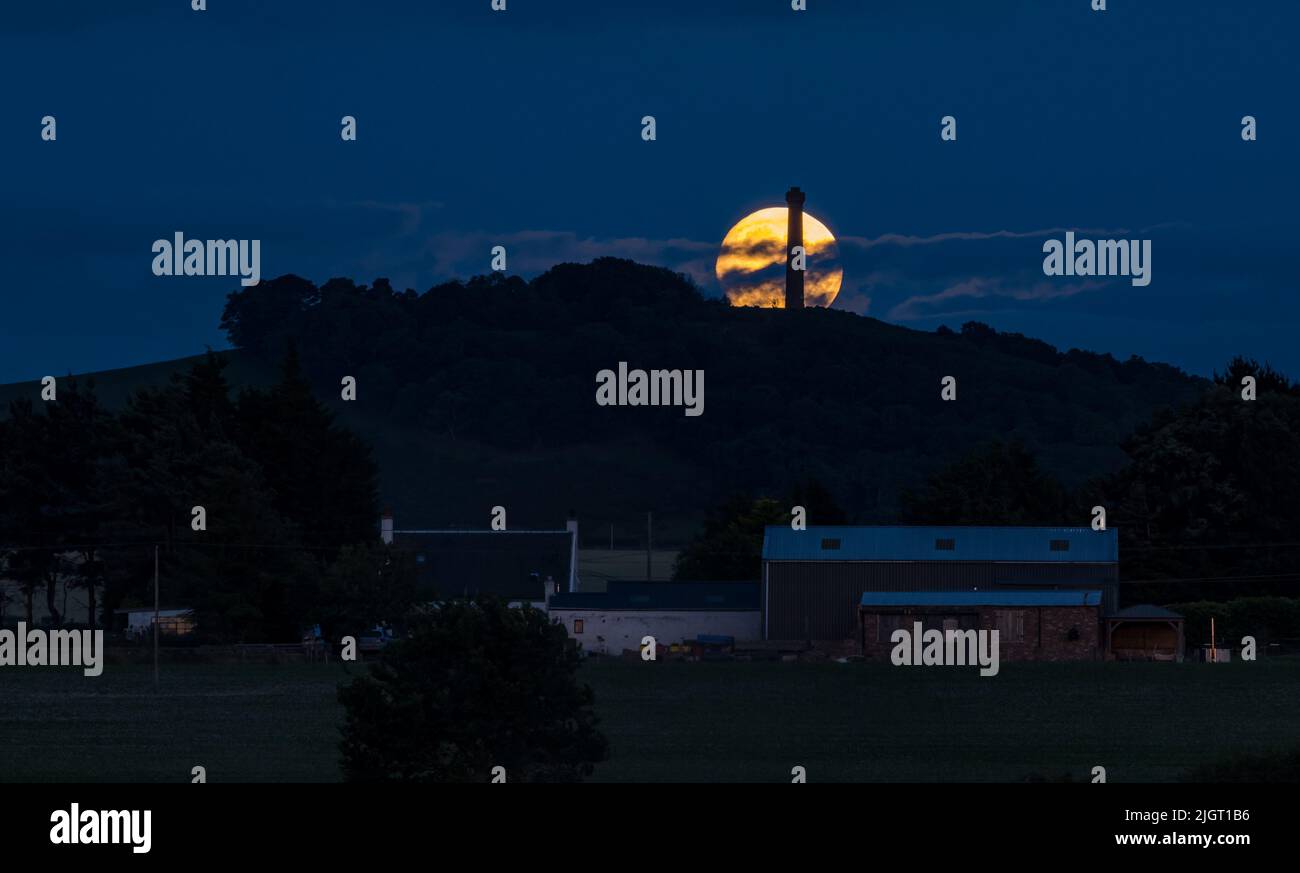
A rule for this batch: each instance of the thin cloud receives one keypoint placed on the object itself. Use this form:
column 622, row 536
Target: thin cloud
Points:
column 413, row 214
column 919, row 306
column 905, row 240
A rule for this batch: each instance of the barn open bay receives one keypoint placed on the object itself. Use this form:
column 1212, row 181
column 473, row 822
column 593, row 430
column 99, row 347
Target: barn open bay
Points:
column 697, row 722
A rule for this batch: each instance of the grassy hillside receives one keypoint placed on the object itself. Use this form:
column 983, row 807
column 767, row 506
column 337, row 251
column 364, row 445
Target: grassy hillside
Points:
column 483, row 393
column 114, row 386
column 432, row 480
column 499, row 375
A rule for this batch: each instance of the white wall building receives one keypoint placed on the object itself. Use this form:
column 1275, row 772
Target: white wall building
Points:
column 671, row 612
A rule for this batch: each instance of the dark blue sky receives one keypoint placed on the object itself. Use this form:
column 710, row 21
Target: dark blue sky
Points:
column 523, row 128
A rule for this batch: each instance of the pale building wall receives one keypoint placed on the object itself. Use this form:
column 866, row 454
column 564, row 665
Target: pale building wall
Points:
column 141, row 620
column 610, row 631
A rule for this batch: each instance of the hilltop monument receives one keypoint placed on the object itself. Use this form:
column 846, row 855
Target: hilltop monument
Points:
column 774, row 240
column 793, row 237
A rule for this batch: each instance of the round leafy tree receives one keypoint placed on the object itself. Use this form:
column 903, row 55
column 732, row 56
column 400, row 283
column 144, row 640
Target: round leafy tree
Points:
column 475, row 685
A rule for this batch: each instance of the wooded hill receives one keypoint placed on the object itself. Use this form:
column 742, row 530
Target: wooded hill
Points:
column 482, row 393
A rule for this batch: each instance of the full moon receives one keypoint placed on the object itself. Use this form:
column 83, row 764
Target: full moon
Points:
column 751, row 265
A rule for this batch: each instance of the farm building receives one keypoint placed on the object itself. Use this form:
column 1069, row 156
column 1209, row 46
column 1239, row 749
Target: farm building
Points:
column 671, row 612
column 1031, row 625
column 138, row 621
column 814, row 579
column 1144, row 633
column 520, row 566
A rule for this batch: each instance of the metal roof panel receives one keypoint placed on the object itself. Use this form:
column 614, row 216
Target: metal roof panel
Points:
column 981, row 598
column 946, row 543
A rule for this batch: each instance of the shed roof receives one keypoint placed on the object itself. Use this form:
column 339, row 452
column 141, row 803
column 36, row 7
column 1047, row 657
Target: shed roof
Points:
column 700, row 596
column 981, row 598
column 948, row 543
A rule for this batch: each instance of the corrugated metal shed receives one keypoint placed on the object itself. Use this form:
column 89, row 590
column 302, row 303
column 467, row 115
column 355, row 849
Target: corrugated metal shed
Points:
column 903, row 543
column 981, row 598
column 701, row 596
column 814, row 579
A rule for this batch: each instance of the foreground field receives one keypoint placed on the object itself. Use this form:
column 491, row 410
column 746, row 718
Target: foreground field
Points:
column 685, row 722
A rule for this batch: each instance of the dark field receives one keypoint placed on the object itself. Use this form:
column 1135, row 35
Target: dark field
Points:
column 684, row 722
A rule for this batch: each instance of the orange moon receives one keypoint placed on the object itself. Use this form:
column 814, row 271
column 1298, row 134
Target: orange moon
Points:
column 751, row 265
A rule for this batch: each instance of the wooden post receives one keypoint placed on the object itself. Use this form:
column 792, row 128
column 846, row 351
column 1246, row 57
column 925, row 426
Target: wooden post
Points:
column 155, row 618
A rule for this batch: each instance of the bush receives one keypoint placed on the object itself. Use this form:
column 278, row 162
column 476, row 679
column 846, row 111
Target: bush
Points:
column 1265, row 618
column 475, row 685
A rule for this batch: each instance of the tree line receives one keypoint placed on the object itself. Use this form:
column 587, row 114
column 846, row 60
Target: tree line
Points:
column 289, row 498
column 1204, row 503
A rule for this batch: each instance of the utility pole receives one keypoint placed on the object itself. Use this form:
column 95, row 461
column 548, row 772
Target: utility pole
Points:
column 155, row 618
column 649, row 543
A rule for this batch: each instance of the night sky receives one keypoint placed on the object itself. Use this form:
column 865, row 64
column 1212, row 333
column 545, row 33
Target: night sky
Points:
column 523, row 129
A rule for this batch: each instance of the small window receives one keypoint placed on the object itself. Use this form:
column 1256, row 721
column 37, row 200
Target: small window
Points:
column 830, row 544
column 1060, row 545
column 419, row 559
column 945, row 545
column 577, row 625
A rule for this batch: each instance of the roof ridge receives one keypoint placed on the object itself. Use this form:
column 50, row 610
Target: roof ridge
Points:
column 482, row 531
